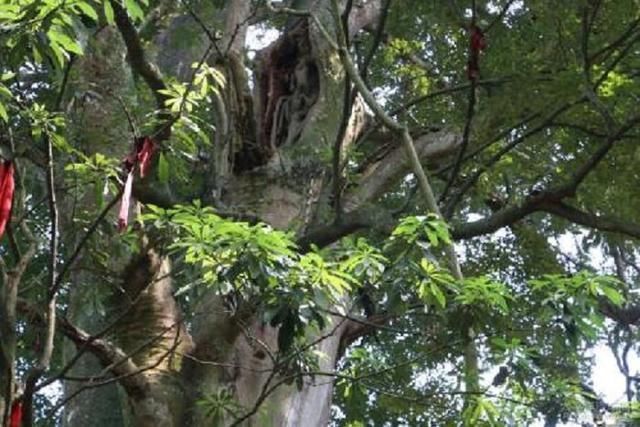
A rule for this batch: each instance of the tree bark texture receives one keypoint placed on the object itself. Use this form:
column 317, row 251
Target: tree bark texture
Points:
column 272, row 160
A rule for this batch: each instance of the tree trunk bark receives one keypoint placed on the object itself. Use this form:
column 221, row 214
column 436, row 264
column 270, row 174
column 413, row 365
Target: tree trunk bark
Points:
column 272, row 159
column 297, row 81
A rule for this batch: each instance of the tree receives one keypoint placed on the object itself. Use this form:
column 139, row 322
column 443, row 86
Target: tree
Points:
column 367, row 221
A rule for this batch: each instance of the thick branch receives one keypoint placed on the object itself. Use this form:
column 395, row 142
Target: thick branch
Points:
column 365, row 217
column 598, row 222
column 550, row 201
column 137, row 57
column 364, row 15
column 107, row 353
column 238, row 13
column 395, row 165
column 510, row 215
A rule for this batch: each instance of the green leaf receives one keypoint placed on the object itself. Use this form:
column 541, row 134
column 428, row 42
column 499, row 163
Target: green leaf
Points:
column 428, row 267
column 58, row 55
column 438, row 294
column 65, row 41
column 4, row 91
column 99, row 195
column 163, row 168
column 88, row 10
column 134, row 9
column 3, row 113
column 108, row 12
column 612, row 295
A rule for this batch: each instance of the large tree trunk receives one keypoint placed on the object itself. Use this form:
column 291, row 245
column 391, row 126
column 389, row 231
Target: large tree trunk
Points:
column 271, row 160
column 278, row 175
column 296, row 84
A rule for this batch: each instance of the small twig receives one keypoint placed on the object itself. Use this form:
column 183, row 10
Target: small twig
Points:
column 472, row 179
column 213, row 39
column 98, row 335
column 118, row 378
column 44, row 360
column 377, row 40
column 83, row 241
column 495, row 139
column 471, row 103
column 63, row 84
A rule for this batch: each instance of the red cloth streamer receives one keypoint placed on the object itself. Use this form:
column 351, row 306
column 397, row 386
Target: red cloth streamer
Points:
column 15, row 418
column 144, row 153
column 141, row 156
column 7, row 186
column 477, row 44
column 123, row 215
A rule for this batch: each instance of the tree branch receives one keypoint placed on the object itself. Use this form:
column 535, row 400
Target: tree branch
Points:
column 44, row 359
column 473, row 178
column 395, row 165
column 471, row 103
column 137, row 57
column 544, row 203
column 107, row 353
column 470, row 351
column 362, row 218
column 598, row 222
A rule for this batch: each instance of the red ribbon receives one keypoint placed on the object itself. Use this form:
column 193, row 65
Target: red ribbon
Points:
column 123, row 215
column 477, row 44
column 146, row 150
column 141, row 156
column 7, row 186
column 15, row 419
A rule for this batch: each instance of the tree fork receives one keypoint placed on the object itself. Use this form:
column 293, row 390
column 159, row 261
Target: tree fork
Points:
column 470, row 354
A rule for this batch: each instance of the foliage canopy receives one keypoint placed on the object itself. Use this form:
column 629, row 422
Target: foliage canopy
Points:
column 540, row 202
